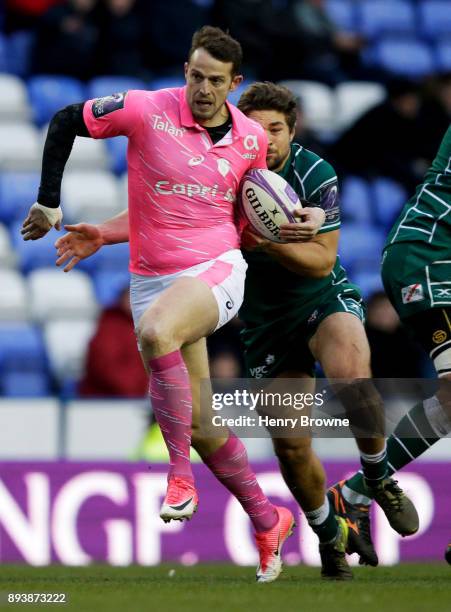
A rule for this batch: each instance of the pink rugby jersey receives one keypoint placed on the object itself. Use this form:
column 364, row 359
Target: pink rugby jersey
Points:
column 182, row 188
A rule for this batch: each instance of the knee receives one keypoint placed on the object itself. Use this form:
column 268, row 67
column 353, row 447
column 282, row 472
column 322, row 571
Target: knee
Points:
column 155, row 338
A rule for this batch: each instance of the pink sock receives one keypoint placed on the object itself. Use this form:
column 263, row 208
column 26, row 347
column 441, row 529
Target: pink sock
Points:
column 170, row 394
column 231, row 467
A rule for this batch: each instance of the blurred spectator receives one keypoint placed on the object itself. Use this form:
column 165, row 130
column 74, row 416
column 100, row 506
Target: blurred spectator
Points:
column 113, row 365
column 436, row 113
column 324, row 53
column 393, row 353
column 386, row 140
column 22, row 14
column 305, row 136
column 225, row 364
column 225, row 351
column 120, row 47
column 67, row 37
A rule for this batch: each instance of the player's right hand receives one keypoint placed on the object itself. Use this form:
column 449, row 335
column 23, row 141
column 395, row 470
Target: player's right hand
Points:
column 82, row 241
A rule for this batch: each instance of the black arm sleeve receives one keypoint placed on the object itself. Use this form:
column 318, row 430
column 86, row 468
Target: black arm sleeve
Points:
column 65, row 125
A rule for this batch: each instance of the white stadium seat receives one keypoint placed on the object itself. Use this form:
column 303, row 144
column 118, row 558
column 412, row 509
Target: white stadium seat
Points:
column 13, row 99
column 90, row 196
column 355, row 98
column 67, row 343
column 318, row 103
column 20, row 147
column 13, row 296
column 7, row 255
column 55, row 295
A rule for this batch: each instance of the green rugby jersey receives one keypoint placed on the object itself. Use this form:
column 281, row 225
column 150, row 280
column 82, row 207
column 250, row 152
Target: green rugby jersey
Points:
column 427, row 215
column 270, row 287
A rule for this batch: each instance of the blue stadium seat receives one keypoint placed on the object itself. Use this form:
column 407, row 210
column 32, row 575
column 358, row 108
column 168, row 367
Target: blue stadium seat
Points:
column 21, row 348
column 377, row 17
column 18, row 52
column 368, row 282
column 3, row 54
column 234, row 96
column 355, row 200
column 18, row 191
column 49, row 94
column 117, row 149
column 25, row 384
column 389, row 198
column 167, row 82
column 360, row 244
column 33, row 254
column 107, row 85
column 342, row 14
column 435, row 18
column 113, row 258
column 407, row 57
column 109, row 284
column 443, row 51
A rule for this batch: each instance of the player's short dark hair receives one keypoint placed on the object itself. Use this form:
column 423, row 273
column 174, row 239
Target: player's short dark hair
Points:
column 269, row 96
column 219, row 45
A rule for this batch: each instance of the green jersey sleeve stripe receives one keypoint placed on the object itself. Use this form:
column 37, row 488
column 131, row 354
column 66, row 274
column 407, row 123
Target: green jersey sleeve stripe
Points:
column 328, row 228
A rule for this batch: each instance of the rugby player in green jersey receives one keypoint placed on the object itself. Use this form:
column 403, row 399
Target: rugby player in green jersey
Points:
column 416, row 272
column 317, row 315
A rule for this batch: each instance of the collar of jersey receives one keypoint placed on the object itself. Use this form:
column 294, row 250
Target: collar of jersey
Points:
column 240, row 123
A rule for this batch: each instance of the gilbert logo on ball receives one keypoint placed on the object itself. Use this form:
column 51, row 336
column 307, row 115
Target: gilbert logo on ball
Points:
column 268, row 202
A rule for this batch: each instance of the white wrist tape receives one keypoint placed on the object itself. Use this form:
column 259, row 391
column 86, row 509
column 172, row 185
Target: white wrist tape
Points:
column 53, row 215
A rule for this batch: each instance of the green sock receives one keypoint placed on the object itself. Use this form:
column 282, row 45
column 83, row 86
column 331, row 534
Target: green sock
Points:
column 323, row 522
column 401, row 450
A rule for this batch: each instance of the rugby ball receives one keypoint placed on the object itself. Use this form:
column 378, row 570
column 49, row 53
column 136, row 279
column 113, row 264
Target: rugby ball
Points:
column 267, row 202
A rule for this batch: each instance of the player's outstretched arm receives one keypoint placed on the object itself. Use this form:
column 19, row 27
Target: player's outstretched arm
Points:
column 83, row 239
column 46, row 213
column 311, row 219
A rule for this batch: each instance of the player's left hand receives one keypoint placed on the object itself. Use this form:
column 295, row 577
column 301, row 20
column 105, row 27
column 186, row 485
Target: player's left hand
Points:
column 311, row 221
column 40, row 220
column 251, row 241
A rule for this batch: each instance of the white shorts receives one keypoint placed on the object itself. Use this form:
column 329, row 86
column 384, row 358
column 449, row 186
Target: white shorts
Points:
column 225, row 276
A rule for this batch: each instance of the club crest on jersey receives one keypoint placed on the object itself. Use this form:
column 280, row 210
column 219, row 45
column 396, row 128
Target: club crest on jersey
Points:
column 108, row 104
column 223, row 167
column 412, row 293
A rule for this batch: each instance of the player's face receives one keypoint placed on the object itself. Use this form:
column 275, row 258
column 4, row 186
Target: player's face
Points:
column 209, row 82
column 279, row 136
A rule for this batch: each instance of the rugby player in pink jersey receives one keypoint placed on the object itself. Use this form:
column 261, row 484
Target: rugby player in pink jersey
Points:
column 188, row 150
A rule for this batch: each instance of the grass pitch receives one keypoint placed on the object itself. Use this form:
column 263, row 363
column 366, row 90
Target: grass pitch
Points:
column 226, row 588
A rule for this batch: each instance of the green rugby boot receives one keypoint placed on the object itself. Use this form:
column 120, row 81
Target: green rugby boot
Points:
column 333, row 555
column 398, row 508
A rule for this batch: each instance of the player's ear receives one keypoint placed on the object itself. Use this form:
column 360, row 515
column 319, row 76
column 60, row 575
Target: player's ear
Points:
column 292, row 133
column 185, row 69
column 236, row 80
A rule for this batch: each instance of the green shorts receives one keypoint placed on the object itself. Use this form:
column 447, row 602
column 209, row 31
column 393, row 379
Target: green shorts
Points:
column 282, row 343
column 417, row 277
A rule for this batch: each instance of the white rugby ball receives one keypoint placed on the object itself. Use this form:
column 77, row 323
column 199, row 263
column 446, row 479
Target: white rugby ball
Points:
column 268, row 202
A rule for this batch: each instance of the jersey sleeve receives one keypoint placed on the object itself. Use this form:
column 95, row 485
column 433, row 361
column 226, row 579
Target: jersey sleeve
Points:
column 117, row 115
column 323, row 192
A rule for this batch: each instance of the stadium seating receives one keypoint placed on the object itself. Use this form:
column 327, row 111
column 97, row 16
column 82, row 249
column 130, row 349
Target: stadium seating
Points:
column 20, row 147
column 235, row 95
column 443, row 51
column 66, row 343
column 360, row 244
column 55, row 295
column 377, row 17
column 117, row 150
column 368, row 282
column 108, row 285
column 435, row 18
column 21, row 347
column 355, row 98
column 3, row 62
column 342, row 12
column 18, row 191
column 7, row 255
column 49, row 94
column 25, row 384
column 18, row 52
column 317, row 102
column 14, row 300
column 389, row 198
column 167, row 82
column 106, row 85
column 33, row 254
column 355, row 200
column 90, row 196
column 88, row 153
column 409, row 57
column 14, row 104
